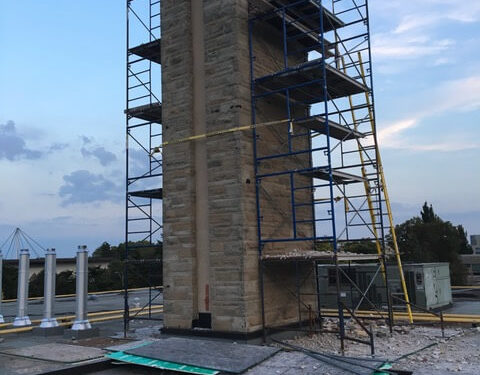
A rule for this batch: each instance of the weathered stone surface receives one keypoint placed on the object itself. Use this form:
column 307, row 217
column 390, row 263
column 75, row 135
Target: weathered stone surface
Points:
column 232, row 221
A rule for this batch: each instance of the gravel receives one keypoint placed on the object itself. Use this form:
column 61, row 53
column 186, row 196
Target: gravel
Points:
column 458, row 352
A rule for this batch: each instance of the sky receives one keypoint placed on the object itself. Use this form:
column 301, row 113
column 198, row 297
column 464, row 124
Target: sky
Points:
column 62, row 128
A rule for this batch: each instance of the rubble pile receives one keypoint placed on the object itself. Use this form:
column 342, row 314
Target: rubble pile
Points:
column 457, row 352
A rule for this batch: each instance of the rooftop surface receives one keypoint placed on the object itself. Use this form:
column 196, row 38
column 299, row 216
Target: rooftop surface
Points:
column 28, row 353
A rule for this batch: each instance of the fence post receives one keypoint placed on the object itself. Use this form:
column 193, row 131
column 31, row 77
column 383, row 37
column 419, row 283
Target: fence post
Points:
column 442, row 325
column 372, row 343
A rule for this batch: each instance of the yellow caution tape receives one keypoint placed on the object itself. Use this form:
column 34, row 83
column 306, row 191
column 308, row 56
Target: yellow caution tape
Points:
column 221, row 132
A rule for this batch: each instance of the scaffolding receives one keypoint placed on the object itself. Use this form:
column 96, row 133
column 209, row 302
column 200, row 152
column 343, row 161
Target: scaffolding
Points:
column 143, row 224
column 324, row 161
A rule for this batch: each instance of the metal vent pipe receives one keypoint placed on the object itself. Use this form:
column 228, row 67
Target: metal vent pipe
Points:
column 81, row 320
column 22, row 318
column 1, row 293
column 49, row 320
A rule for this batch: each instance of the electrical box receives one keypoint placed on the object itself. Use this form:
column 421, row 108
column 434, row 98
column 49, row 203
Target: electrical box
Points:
column 428, row 285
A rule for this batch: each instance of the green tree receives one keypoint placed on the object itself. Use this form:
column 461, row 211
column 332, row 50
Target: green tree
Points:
column 142, row 271
column 465, row 247
column 9, row 285
column 138, row 250
column 427, row 214
column 103, row 251
column 360, row 247
column 65, row 282
column 430, row 239
column 36, row 282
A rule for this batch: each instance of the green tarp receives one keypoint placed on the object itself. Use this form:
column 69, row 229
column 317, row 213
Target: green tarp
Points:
column 155, row 363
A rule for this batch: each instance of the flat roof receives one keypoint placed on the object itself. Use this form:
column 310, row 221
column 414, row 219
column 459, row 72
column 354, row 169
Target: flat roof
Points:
column 60, row 260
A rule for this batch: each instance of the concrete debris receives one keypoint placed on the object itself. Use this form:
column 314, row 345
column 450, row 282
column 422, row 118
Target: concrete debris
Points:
column 313, row 254
column 458, row 352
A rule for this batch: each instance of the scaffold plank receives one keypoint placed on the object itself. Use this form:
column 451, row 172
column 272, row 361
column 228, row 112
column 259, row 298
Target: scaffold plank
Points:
column 151, row 193
column 148, row 112
column 337, row 131
column 305, row 13
column 150, row 51
column 338, row 177
column 312, row 255
column 305, row 83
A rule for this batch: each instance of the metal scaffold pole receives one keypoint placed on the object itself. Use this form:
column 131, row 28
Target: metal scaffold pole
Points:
column 387, row 201
column 144, row 177
column 326, row 154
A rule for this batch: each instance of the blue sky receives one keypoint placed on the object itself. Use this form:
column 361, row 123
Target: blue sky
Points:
column 62, row 93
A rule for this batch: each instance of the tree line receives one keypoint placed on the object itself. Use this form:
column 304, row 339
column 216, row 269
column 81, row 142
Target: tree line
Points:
column 144, row 269
column 425, row 238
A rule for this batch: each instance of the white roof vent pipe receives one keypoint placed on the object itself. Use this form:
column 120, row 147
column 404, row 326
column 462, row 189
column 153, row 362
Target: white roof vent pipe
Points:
column 49, row 320
column 81, row 319
column 22, row 319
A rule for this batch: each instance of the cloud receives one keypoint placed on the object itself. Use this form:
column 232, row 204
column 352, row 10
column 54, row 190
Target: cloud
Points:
column 465, row 99
column 13, row 146
column 419, row 15
column 414, row 30
column 388, row 135
column 442, row 61
column 58, row 147
column 412, row 22
column 86, row 140
column 84, row 187
column 407, row 47
column 104, row 156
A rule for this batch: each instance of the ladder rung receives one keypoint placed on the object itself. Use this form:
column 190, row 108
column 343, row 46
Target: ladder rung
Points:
column 139, row 85
column 138, row 73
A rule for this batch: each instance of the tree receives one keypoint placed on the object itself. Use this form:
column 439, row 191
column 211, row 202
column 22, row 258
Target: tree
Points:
column 103, row 251
column 138, row 250
column 360, row 247
column 101, row 279
column 465, row 247
column 141, row 273
column 428, row 216
column 9, row 285
column 430, row 239
column 36, row 282
column 65, row 282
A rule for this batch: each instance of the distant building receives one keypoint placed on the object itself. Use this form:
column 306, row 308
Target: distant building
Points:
column 63, row 264
column 472, row 264
column 475, row 242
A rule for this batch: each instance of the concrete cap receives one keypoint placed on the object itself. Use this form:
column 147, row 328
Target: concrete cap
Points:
column 82, row 249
